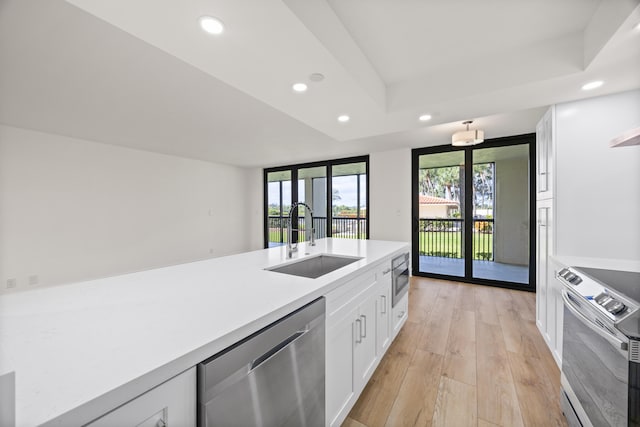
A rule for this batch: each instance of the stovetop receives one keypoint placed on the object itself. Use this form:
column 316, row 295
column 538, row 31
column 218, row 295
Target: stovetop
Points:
column 612, row 293
column 626, row 283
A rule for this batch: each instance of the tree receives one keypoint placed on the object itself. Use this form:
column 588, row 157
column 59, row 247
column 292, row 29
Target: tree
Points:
column 443, row 182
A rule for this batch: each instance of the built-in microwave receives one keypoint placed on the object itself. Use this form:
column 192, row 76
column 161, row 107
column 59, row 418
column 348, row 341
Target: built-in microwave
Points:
column 399, row 277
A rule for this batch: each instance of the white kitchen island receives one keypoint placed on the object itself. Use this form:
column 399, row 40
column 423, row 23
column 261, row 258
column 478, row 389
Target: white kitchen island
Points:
column 78, row 351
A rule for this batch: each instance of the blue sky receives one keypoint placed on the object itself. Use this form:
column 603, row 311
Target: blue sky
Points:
column 345, row 185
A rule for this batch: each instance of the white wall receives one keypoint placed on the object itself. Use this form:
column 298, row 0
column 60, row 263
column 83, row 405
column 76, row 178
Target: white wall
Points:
column 390, row 195
column 597, row 187
column 512, row 211
column 72, row 210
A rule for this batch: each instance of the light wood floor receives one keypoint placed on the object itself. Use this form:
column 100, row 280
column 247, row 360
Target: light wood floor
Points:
column 468, row 355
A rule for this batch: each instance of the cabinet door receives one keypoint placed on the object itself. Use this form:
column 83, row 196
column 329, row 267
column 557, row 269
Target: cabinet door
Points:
column 172, row 403
column 364, row 353
column 340, row 388
column 542, row 248
column 383, row 317
column 544, row 155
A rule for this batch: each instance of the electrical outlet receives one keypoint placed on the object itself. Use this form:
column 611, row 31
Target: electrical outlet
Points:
column 33, row 280
column 11, row 283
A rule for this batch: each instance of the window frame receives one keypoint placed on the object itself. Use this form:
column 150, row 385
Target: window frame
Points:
column 329, row 164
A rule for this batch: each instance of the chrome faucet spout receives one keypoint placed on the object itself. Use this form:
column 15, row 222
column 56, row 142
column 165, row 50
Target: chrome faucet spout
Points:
column 291, row 247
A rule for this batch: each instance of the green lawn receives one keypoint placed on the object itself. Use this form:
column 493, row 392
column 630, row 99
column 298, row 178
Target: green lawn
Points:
column 448, row 244
column 433, row 243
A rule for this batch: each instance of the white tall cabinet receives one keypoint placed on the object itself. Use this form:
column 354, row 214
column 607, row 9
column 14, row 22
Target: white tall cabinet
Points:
column 548, row 297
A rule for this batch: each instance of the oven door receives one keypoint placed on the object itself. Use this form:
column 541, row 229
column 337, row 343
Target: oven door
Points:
column 595, row 367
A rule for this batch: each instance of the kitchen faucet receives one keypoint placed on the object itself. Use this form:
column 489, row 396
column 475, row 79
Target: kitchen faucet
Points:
column 290, row 247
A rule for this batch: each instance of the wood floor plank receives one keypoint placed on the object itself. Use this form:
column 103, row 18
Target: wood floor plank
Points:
column 541, row 401
column 497, row 398
column 416, row 399
column 486, row 310
column 519, row 334
column 435, row 333
column 373, row 406
column 466, row 297
column 525, row 304
column 350, row 422
column 460, row 357
column 421, row 301
column 408, row 338
column 456, row 404
column 485, row 423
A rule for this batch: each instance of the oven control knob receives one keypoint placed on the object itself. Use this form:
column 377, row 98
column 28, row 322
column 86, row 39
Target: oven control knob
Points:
column 574, row 279
column 615, row 307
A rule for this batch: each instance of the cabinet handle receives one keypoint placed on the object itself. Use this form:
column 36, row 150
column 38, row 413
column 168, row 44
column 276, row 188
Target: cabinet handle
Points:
column 365, row 325
column 384, row 304
column 387, row 271
column 400, row 315
column 359, row 339
column 161, row 423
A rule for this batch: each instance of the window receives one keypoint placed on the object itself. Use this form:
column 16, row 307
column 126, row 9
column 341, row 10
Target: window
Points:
column 339, row 204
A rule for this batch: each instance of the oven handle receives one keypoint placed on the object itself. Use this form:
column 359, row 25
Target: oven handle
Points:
column 621, row 346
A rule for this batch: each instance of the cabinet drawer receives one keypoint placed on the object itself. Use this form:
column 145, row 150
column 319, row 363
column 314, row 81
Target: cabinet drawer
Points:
column 172, row 403
column 341, row 301
column 400, row 313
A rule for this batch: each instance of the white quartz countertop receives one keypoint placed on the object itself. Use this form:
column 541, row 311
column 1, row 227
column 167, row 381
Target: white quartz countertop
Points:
column 81, row 349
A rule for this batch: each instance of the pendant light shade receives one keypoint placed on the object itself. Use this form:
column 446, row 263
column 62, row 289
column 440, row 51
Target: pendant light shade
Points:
column 467, row 137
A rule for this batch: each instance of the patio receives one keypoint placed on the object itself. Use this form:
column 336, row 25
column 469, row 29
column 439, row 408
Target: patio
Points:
column 481, row 269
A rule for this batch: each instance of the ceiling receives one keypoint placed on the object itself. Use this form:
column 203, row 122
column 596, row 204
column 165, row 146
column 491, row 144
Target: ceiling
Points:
column 142, row 74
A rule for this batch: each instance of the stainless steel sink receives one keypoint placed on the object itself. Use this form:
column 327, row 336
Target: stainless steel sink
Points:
column 314, row 267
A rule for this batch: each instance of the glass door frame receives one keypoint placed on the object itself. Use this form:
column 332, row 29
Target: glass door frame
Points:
column 529, row 139
column 294, row 190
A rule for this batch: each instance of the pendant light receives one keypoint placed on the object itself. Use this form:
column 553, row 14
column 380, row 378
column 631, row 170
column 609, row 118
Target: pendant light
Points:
column 467, row 137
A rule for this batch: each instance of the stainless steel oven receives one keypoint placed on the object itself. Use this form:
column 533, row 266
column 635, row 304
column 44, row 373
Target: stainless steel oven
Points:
column 399, row 277
column 601, row 348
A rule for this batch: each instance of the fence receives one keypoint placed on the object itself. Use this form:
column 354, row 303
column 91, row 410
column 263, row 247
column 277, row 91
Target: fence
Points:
column 443, row 237
column 346, row 228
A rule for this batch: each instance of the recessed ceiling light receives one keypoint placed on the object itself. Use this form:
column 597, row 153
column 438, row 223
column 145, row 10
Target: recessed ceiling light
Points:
column 593, row 85
column 344, row 118
column 425, row 117
column 211, row 25
column 299, row 87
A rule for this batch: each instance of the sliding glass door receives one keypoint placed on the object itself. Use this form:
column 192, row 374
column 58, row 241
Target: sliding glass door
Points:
column 441, row 213
column 472, row 210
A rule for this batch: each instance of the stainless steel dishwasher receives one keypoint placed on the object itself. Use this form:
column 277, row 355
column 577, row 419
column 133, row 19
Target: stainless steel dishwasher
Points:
column 274, row 377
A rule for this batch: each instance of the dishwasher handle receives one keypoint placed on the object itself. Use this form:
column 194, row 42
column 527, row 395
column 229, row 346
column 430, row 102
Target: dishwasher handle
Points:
column 271, row 352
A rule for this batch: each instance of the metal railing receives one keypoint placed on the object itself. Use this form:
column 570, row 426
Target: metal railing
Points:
column 346, row 228
column 444, row 237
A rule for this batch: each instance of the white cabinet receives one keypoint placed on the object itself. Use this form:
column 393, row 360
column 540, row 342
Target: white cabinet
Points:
column 171, row 404
column 544, row 242
column 364, row 352
column 359, row 331
column 548, row 298
column 383, row 316
column 545, row 149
